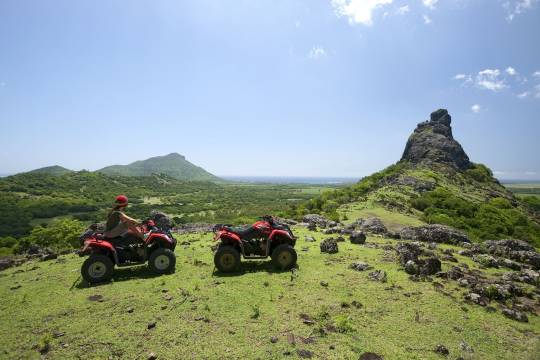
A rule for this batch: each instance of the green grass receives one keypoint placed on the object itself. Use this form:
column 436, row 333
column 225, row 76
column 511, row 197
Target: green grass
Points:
column 52, row 298
column 393, row 220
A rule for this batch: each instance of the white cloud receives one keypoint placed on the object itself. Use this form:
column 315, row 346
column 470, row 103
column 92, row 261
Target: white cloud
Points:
column 537, row 91
column 511, row 71
column 430, row 3
column 317, row 52
column 427, row 20
column 475, row 108
column 297, row 24
column 358, row 11
column 402, row 10
column 531, row 173
column 516, row 7
column 2, row 84
column 464, row 78
column 489, row 79
column 536, row 74
column 523, row 95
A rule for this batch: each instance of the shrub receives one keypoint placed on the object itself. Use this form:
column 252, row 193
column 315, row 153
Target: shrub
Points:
column 480, row 173
column 59, row 235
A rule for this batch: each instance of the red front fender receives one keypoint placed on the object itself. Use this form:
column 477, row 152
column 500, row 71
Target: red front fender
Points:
column 280, row 233
column 226, row 235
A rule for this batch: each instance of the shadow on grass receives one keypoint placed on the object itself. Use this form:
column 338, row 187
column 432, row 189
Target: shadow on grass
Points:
column 253, row 266
column 120, row 274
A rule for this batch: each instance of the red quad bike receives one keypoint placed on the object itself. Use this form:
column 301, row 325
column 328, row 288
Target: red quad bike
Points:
column 265, row 238
column 104, row 253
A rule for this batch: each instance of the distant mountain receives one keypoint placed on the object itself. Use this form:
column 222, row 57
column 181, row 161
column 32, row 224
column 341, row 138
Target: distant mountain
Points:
column 174, row 165
column 51, row 170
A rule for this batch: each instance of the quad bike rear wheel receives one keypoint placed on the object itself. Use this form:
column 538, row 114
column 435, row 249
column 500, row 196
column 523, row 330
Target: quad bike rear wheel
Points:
column 227, row 259
column 162, row 261
column 284, row 257
column 97, row 268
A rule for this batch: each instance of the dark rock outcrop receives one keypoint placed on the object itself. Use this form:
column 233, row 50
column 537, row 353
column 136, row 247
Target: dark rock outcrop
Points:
column 358, row 237
column 516, row 250
column 434, row 233
column 318, row 220
column 416, row 260
column 372, row 225
column 433, row 142
column 329, row 246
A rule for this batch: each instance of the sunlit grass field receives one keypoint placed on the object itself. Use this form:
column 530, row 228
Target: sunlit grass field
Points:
column 257, row 313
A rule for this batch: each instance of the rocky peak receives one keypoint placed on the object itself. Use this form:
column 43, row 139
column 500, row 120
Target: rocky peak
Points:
column 432, row 142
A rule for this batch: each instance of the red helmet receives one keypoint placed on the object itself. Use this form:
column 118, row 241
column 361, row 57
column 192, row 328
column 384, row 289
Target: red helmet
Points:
column 121, row 200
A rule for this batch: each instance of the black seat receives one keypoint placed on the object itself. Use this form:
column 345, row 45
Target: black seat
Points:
column 243, row 231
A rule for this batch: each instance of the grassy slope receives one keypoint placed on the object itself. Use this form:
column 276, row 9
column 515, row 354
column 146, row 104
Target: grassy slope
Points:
column 52, row 298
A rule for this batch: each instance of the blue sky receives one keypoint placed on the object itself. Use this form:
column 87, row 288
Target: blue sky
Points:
column 282, row 87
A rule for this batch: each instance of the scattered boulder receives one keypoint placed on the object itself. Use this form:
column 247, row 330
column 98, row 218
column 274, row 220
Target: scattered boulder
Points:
column 409, row 257
column 310, row 239
column 51, row 256
column 434, row 233
column 358, row 237
column 517, row 250
column 378, row 275
column 486, row 260
column 360, row 266
column 515, row 315
column 6, row 262
column 476, row 299
column 305, row 354
column 370, row 356
column 318, row 220
column 329, row 246
column 372, row 225
column 442, row 350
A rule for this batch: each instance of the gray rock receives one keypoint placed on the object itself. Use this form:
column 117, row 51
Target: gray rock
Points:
column 515, row 315
column 378, row 275
column 310, row 239
column 329, row 246
column 372, row 225
column 486, row 260
column 411, row 267
column 318, row 220
column 441, row 349
column 360, row 266
column 433, row 142
column 370, row 356
column 434, row 233
column 358, row 237
column 6, row 262
column 516, row 250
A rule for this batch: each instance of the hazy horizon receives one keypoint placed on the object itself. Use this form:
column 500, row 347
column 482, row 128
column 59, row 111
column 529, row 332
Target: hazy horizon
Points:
column 257, row 88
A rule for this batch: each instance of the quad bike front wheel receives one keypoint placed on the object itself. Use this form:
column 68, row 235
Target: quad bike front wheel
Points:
column 227, row 259
column 97, row 268
column 162, row 261
column 284, row 257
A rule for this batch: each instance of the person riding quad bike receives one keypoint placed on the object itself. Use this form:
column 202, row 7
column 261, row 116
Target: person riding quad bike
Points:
column 124, row 229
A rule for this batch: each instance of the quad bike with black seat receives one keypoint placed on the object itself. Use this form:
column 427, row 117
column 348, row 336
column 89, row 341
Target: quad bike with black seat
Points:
column 265, row 238
column 157, row 248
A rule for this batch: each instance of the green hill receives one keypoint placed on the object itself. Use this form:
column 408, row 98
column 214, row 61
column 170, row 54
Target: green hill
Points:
column 51, row 170
column 174, row 165
column 436, row 183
